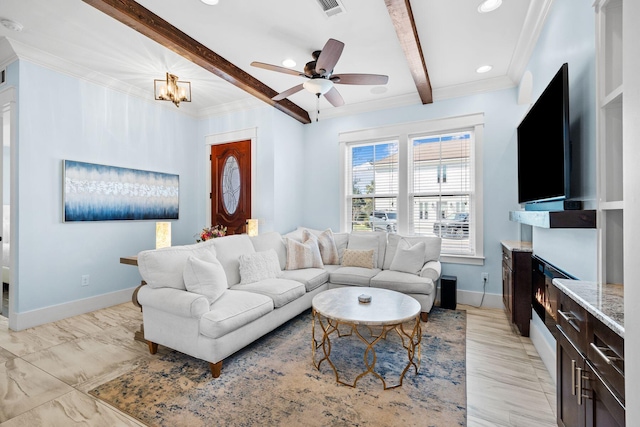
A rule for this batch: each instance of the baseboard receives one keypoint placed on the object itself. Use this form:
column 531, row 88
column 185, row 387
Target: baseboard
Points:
column 543, row 342
column 474, row 299
column 29, row 319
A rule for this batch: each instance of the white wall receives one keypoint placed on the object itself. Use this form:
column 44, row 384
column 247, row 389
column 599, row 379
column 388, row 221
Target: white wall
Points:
column 502, row 114
column 61, row 117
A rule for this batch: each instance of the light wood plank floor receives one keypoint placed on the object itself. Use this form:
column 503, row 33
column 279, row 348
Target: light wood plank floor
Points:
column 45, row 372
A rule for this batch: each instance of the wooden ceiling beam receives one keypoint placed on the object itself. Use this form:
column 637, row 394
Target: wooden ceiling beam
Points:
column 402, row 18
column 151, row 25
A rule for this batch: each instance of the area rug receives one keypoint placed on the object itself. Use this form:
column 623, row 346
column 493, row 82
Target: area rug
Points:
column 274, row 383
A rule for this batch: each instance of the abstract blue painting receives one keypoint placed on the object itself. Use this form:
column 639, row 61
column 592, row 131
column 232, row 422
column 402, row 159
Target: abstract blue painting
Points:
column 107, row 193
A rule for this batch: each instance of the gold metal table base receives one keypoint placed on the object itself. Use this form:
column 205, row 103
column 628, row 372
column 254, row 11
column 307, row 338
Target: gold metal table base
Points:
column 330, row 326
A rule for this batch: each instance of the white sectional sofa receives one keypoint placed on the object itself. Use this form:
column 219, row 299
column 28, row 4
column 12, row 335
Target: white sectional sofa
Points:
column 211, row 299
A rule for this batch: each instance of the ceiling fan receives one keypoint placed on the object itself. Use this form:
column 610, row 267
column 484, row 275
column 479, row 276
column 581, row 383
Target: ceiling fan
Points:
column 321, row 77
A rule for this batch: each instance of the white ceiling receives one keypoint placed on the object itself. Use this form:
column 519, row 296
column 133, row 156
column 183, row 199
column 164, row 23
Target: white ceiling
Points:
column 73, row 37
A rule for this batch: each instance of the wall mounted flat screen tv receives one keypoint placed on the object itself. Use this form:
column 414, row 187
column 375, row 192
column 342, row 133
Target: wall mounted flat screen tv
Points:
column 544, row 145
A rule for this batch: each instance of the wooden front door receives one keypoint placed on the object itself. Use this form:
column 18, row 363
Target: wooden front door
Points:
column 231, row 185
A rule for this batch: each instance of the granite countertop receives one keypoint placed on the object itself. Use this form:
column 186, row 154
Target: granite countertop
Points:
column 605, row 302
column 517, row 246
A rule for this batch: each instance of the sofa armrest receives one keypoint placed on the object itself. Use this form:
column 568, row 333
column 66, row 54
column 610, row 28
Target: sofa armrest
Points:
column 174, row 301
column 431, row 270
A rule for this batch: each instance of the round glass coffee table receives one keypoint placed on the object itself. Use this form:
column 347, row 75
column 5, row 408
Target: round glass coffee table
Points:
column 387, row 311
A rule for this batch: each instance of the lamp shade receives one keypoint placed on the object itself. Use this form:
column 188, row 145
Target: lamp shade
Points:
column 252, row 227
column 163, row 234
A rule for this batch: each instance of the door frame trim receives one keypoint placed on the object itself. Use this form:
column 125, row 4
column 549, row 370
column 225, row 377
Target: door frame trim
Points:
column 235, row 136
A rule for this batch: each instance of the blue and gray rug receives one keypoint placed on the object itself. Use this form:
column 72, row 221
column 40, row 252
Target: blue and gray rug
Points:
column 274, row 383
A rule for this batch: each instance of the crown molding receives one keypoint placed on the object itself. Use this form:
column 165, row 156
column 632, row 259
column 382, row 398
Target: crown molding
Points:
column 7, row 54
column 531, row 29
column 472, row 88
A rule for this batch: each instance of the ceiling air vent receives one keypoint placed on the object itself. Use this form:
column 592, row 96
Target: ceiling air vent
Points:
column 331, row 7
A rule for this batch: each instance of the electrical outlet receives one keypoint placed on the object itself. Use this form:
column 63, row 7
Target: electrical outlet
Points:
column 485, row 277
column 85, row 280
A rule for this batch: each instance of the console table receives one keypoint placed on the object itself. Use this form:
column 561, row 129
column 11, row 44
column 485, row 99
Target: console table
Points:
column 133, row 260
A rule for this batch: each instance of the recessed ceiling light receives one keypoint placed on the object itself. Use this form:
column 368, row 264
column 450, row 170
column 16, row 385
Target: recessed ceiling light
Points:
column 210, row 2
column 11, row 25
column 289, row 63
column 489, row 5
column 484, row 69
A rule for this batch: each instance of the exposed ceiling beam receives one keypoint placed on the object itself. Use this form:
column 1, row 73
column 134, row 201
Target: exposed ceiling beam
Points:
column 151, row 25
column 402, row 18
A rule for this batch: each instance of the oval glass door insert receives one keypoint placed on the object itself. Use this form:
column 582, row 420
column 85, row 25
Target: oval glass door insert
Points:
column 231, row 184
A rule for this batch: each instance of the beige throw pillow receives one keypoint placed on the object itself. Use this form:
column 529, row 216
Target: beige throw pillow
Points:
column 408, row 259
column 205, row 278
column 304, row 254
column 354, row 258
column 326, row 244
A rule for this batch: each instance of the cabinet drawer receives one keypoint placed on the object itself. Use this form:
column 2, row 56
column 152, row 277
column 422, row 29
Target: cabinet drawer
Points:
column 573, row 319
column 507, row 258
column 606, row 354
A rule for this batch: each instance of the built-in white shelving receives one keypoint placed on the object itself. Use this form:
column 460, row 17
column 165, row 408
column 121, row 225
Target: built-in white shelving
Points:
column 610, row 94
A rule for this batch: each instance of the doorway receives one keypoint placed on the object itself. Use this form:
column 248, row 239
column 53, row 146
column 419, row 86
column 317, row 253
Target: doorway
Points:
column 231, row 167
column 7, row 131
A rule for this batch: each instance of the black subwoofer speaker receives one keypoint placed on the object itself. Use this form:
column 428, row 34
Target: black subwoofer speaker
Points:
column 448, row 290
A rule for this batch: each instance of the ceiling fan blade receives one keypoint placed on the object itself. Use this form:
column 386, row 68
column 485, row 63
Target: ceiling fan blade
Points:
column 277, row 68
column 360, row 79
column 334, row 97
column 288, row 92
column 329, row 56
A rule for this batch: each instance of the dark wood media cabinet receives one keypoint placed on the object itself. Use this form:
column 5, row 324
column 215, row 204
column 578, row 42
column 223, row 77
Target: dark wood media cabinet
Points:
column 516, row 284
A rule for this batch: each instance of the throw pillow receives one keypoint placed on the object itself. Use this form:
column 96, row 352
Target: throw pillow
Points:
column 205, row 278
column 303, row 255
column 259, row 266
column 408, row 259
column 353, row 258
column 327, row 245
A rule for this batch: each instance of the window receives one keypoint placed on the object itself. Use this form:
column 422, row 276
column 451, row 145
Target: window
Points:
column 373, row 174
column 420, row 178
column 447, row 202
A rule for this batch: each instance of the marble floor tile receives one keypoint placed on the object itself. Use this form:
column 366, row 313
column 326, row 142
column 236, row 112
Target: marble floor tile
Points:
column 82, row 360
column 24, row 387
column 73, row 408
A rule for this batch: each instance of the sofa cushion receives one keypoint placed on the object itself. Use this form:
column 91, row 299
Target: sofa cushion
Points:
column 233, row 310
column 402, row 282
column 341, row 239
column 408, row 259
column 326, row 244
column 163, row 268
column 205, row 278
column 271, row 240
column 228, row 251
column 259, row 266
column 303, row 254
column 370, row 240
column 354, row 276
column 311, row 278
column 432, row 247
column 354, row 258
column 281, row 291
